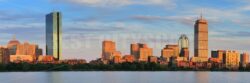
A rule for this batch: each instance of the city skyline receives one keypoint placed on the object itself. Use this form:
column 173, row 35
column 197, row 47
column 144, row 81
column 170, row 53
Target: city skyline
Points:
column 228, row 29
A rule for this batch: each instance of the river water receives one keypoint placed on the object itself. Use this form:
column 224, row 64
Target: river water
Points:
column 125, row 77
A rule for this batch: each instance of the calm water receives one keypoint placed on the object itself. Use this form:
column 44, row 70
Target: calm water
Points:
column 125, row 77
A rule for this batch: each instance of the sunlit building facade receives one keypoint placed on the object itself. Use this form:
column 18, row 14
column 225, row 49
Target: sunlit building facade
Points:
column 42, row 58
column 128, row 58
column 29, row 49
column 231, row 59
column 141, row 51
column 12, row 45
column 54, row 35
column 108, row 50
column 4, row 55
column 21, row 58
column 170, row 51
column 201, row 39
column 244, row 59
column 184, row 46
column 218, row 54
column 183, row 42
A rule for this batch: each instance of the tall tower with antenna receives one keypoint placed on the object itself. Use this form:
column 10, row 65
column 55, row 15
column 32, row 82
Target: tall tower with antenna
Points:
column 201, row 38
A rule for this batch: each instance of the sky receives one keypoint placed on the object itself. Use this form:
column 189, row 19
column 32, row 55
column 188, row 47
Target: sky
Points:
column 86, row 23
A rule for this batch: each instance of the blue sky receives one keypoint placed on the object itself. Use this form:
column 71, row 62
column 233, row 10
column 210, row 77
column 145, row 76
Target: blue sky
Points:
column 156, row 22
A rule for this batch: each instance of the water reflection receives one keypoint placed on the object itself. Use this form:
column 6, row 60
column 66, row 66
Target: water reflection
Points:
column 202, row 77
column 124, row 77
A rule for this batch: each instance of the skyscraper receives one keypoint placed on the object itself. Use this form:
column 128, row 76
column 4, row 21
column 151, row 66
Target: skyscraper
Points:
column 184, row 46
column 183, row 42
column 201, row 38
column 108, row 48
column 54, row 35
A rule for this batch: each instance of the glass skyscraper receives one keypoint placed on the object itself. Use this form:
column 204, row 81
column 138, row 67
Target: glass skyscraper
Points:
column 54, row 35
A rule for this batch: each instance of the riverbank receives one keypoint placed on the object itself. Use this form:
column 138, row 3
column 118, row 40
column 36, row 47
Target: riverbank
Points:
column 23, row 67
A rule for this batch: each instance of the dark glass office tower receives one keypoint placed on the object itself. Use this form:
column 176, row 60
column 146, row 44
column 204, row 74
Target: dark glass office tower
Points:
column 54, row 35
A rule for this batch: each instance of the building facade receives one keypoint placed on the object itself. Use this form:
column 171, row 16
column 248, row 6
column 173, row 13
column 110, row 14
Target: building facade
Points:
column 231, row 59
column 141, row 51
column 21, row 58
column 128, row 58
column 170, row 51
column 108, row 49
column 54, row 35
column 184, row 53
column 244, row 58
column 4, row 55
column 12, row 45
column 183, row 42
column 218, row 55
column 29, row 49
column 201, row 39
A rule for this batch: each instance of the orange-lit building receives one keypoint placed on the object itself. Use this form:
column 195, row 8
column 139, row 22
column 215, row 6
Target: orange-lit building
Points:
column 141, row 51
column 199, row 59
column 218, row 55
column 167, row 52
column 21, row 58
column 128, row 58
column 134, row 50
column 170, row 51
column 201, row 39
column 231, row 59
column 153, row 59
column 42, row 58
column 12, row 45
column 182, row 59
column 117, row 58
column 4, row 55
column 244, row 59
column 73, row 61
column 215, row 60
column 28, row 49
column 108, row 47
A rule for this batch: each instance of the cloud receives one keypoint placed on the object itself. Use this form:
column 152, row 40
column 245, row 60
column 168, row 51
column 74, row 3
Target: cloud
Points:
column 112, row 3
column 187, row 19
column 239, row 34
column 13, row 16
column 101, row 27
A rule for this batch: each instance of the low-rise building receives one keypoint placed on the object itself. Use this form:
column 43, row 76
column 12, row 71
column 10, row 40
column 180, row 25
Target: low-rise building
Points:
column 244, row 59
column 21, row 58
column 153, row 59
column 4, row 55
column 128, row 58
column 231, row 59
column 169, row 51
column 42, row 58
column 218, row 54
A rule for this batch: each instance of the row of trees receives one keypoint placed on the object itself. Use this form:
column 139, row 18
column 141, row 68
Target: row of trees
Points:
column 142, row 66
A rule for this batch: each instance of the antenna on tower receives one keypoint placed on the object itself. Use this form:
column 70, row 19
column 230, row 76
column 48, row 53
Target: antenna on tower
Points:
column 201, row 14
column 14, row 37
